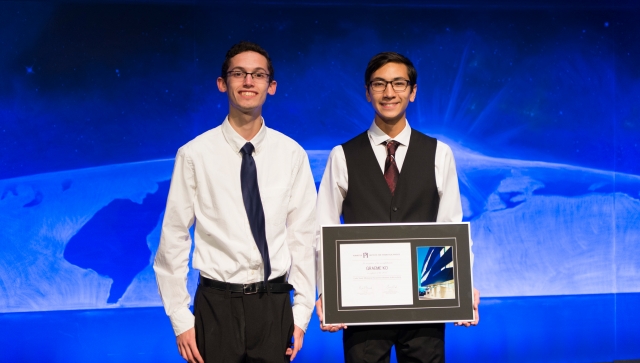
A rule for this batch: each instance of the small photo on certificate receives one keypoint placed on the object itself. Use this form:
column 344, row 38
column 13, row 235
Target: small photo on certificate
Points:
column 435, row 273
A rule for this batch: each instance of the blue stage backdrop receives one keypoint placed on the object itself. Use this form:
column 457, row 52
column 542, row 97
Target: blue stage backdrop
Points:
column 540, row 104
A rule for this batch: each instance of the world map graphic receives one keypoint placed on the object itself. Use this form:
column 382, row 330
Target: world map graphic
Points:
column 86, row 239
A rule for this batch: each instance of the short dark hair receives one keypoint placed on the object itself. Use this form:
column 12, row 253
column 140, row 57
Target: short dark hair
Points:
column 383, row 58
column 242, row 47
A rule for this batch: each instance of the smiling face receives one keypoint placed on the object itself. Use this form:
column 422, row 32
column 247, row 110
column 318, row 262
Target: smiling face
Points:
column 390, row 105
column 247, row 95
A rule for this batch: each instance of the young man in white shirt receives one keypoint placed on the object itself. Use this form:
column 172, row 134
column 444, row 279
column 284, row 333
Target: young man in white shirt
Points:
column 390, row 173
column 250, row 191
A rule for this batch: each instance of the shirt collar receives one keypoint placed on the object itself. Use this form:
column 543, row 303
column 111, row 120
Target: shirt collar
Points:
column 378, row 136
column 237, row 142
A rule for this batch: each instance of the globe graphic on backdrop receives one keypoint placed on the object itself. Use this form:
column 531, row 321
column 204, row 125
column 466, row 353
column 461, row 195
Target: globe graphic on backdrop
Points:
column 86, row 239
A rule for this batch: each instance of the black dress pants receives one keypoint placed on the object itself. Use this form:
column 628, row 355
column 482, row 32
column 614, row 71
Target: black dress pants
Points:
column 234, row 327
column 421, row 343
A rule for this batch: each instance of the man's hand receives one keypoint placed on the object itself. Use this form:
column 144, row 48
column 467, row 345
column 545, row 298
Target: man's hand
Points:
column 476, row 302
column 298, row 337
column 187, row 346
column 330, row 328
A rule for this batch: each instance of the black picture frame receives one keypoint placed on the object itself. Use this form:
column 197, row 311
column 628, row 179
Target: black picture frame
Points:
column 450, row 240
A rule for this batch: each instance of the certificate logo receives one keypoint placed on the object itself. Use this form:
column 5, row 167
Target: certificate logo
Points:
column 365, row 255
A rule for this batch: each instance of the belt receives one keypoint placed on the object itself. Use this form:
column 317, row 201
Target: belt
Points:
column 279, row 284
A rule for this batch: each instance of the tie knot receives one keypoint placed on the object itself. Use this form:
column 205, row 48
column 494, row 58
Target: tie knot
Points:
column 392, row 145
column 247, row 149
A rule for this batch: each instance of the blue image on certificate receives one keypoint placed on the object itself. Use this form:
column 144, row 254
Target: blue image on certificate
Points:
column 435, row 273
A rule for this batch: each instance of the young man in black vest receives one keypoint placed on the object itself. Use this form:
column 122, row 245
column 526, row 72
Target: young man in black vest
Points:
column 391, row 173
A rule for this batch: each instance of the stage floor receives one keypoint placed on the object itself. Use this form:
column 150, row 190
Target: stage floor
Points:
column 581, row 328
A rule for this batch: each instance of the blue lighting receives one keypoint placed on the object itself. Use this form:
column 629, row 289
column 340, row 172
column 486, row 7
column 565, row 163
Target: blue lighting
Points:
column 539, row 104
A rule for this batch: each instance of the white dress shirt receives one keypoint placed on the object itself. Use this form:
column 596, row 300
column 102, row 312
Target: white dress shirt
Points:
column 205, row 188
column 335, row 181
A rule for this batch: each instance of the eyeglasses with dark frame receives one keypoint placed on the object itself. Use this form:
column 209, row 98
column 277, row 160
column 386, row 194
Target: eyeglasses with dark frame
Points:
column 398, row 85
column 256, row 76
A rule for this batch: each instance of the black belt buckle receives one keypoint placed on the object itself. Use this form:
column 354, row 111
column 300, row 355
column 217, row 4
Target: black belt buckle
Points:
column 250, row 289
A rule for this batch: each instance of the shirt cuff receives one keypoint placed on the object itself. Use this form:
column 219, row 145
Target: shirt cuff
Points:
column 182, row 320
column 301, row 316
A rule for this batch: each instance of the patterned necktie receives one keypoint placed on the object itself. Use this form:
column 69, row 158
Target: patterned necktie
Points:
column 253, row 204
column 391, row 172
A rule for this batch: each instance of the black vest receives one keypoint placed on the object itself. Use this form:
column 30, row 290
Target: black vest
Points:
column 369, row 199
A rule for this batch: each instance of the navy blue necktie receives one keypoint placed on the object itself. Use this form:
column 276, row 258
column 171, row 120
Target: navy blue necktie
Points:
column 253, row 205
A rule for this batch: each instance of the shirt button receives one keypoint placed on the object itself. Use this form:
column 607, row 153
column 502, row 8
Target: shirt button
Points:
column 395, row 209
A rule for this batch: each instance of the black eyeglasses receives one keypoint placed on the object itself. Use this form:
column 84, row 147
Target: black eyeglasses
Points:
column 256, row 76
column 398, row 85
